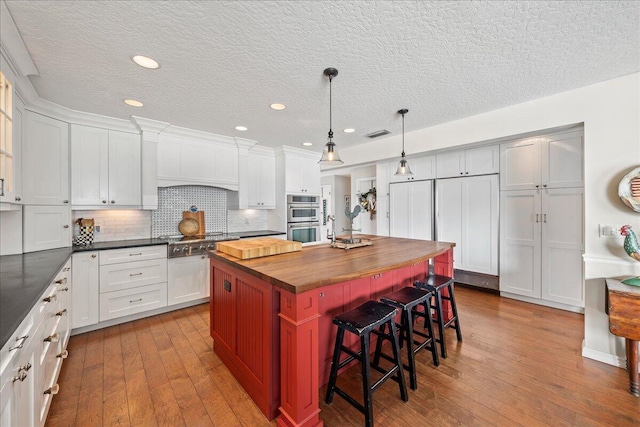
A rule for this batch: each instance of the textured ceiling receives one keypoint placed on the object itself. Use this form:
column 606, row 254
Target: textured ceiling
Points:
column 223, row 63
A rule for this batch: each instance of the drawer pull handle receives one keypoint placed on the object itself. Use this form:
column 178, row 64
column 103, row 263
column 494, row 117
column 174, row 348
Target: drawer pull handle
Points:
column 21, row 339
column 55, row 389
column 21, row 376
column 135, row 300
column 62, row 312
column 139, row 253
column 64, row 289
column 93, row 256
column 52, row 338
column 25, row 367
column 66, row 269
column 50, row 298
column 135, row 274
column 63, row 355
column 61, row 281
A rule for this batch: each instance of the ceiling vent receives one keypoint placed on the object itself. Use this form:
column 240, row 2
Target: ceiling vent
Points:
column 377, row 133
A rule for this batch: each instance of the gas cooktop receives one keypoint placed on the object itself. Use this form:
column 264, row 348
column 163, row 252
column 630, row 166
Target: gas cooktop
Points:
column 209, row 237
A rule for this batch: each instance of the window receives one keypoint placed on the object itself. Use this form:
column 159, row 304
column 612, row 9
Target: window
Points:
column 6, row 134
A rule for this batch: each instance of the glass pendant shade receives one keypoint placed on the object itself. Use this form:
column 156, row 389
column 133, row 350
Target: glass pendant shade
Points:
column 330, row 155
column 403, row 166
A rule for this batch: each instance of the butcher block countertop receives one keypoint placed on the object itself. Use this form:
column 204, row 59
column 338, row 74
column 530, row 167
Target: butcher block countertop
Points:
column 322, row 265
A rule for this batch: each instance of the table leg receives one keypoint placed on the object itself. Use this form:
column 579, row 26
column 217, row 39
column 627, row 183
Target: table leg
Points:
column 443, row 265
column 632, row 366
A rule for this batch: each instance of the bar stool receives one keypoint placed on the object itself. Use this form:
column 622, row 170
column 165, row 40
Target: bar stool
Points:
column 362, row 321
column 435, row 284
column 407, row 299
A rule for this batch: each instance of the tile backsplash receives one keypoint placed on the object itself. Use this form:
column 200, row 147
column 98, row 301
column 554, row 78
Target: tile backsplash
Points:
column 117, row 224
column 172, row 201
column 246, row 220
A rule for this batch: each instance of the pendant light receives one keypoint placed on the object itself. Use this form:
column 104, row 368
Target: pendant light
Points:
column 330, row 155
column 403, row 167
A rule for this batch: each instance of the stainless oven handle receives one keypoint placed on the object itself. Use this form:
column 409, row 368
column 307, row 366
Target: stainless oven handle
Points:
column 305, row 225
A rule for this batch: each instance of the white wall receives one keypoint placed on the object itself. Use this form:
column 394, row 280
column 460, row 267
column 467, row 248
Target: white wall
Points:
column 610, row 112
column 362, row 221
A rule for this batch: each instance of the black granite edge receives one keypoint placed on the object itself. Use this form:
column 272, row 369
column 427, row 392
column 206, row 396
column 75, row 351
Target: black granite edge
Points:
column 119, row 244
column 257, row 233
column 23, row 280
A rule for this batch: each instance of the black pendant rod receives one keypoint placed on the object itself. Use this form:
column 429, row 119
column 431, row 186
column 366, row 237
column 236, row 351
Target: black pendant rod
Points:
column 403, row 112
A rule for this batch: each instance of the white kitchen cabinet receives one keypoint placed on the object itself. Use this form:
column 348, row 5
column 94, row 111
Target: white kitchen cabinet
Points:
column 411, row 209
column 188, row 279
column 421, row 167
column 467, row 162
column 186, row 161
column 11, row 116
column 86, row 290
column 262, row 179
column 300, row 170
column 554, row 161
column 46, row 227
column 45, row 161
column 468, row 215
column 32, row 357
column 132, row 280
column 382, row 199
column 105, row 167
column 541, row 244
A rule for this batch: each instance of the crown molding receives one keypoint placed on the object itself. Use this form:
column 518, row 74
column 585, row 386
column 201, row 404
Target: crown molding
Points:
column 13, row 45
column 179, row 132
column 285, row 149
column 261, row 149
column 244, row 143
column 149, row 125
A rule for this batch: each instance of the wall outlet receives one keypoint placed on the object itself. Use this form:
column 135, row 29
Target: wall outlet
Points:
column 609, row 231
column 246, row 220
column 96, row 229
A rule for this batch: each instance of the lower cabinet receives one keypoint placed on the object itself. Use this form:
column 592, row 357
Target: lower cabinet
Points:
column 188, row 279
column 32, row 358
column 86, row 292
column 132, row 301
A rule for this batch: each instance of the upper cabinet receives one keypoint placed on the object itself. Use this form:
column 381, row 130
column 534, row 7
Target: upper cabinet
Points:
column 471, row 161
column 105, row 166
column 45, row 161
column 543, row 162
column 188, row 161
column 262, row 178
column 11, row 112
column 301, row 170
column 421, row 167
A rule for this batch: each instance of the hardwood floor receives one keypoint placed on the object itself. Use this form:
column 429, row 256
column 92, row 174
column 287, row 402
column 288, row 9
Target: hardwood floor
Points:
column 519, row 364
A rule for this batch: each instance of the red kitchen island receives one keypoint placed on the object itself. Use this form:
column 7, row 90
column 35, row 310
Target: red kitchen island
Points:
column 271, row 317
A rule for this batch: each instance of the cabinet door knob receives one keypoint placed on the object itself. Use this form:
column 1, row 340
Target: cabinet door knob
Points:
column 93, row 256
column 466, row 173
column 545, row 185
column 65, row 201
column 18, row 199
column 113, row 201
column 538, row 186
column 104, row 201
column 65, row 226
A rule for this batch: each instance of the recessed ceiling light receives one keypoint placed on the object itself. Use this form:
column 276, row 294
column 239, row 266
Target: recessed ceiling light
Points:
column 133, row 103
column 146, row 62
column 307, row 143
column 278, row 106
column 349, row 130
column 241, row 128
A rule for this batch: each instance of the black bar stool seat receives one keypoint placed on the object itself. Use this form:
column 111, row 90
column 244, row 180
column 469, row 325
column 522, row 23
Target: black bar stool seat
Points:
column 435, row 284
column 363, row 321
column 407, row 300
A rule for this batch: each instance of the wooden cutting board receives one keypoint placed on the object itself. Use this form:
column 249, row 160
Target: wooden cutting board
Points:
column 198, row 216
column 255, row 248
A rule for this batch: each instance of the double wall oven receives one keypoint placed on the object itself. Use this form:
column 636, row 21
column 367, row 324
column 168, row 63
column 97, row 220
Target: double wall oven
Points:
column 303, row 218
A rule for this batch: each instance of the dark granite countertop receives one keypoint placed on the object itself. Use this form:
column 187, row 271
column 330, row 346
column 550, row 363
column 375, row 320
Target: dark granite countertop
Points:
column 23, row 280
column 119, row 244
column 258, row 233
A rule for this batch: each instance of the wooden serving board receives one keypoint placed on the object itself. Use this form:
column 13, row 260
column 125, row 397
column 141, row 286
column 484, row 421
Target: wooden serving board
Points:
column 255, row 248
column 198, row 216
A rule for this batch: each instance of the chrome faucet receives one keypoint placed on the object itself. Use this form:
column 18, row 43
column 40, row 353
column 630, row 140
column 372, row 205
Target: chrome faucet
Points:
column 332, row 236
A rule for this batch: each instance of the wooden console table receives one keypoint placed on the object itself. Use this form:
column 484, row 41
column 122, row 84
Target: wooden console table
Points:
column 623, row 307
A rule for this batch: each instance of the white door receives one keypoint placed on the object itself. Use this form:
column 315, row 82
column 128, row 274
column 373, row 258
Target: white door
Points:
column 450, row 164
column 45, row 161
column 46, row 227
column 480, row 223
column 520, row 165
column 85, row 289
column 400, row 210
column 89, row 165
column 449, row 220
column 520, row 243
column 188, row 279
column 562, row 246
column 411, row 209
column 482, row 160
column 124, row 169
column 562, row 164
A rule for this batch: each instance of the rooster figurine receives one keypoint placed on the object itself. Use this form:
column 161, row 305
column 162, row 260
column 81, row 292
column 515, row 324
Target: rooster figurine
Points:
column 631, row 247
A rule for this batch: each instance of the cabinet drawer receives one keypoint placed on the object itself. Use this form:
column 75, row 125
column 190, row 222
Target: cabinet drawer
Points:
column 130, row 301
column 132, row 274
column 115, row 256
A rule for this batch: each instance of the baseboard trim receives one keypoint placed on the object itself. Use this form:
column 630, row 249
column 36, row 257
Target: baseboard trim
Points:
column 600, row 356
column 546, row 303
